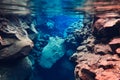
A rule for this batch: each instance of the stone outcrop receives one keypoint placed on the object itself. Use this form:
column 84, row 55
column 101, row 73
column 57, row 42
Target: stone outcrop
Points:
column 98, row 56
column 14, row 47
column 14, row 41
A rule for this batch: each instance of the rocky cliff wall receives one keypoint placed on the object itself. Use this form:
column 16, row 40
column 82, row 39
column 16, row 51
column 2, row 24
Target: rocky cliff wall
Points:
column 14, row 47
column 98, row 56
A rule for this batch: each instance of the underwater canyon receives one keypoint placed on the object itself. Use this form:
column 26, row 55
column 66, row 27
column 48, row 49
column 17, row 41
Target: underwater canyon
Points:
column 59, row 40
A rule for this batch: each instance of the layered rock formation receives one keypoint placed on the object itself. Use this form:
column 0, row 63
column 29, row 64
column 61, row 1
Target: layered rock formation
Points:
column 98, row 56
column 14, row 47
column 14, row 42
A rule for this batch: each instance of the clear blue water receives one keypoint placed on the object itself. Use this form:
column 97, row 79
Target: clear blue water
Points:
column 53, row 17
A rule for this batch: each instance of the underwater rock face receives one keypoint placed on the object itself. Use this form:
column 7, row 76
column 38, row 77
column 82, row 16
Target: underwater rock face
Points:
column 98, row 56
column 76, row 33
column 14, row 41
column 21, row 70
column 106, row 27
column 14, row 47
column 97, row 67
column 52, row 52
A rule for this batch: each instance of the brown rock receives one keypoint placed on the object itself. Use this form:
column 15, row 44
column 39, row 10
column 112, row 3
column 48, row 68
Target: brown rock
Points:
column 115, row 45
column 96, row 67
column 106, row 28
column 108, row 15
column 118, row 50
column 105, row 22
column 115, row 41
column 111, row 22
column 102, row 49
column 100, row 23
column 100, row 6
column 107, row 8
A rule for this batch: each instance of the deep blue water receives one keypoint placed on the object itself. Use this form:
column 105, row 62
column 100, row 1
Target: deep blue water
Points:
column 64, row 21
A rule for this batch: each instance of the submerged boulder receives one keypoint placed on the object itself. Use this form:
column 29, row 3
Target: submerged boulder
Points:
column 52, row 52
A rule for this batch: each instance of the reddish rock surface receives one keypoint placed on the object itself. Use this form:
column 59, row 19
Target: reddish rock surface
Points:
column 115, row 41
column 99, row 57
column 108, row 15
column 106, row 27
column 118, row 50
column 96, row 67
column 100, row 6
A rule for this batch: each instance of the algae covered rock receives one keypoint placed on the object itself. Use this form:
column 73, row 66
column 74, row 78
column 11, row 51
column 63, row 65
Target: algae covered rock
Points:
column 52, row 52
